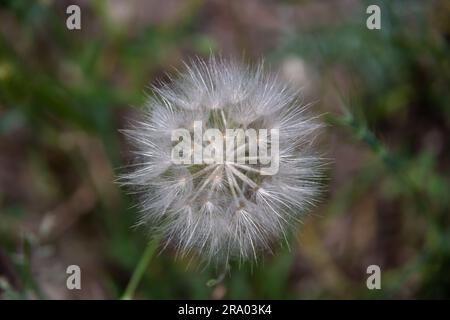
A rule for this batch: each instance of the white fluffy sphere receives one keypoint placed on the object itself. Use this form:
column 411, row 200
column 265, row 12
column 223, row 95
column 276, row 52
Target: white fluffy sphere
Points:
column 224, row 210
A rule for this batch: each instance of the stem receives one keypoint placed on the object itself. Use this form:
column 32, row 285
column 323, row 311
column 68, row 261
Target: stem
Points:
column 140, row 268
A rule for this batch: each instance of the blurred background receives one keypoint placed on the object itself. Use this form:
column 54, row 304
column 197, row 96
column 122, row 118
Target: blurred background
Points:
column 384, row 96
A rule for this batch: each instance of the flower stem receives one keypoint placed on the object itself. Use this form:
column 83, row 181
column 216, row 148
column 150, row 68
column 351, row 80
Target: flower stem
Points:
column 140, row 268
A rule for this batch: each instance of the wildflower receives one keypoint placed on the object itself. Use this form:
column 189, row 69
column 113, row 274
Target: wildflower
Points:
column 224, row 209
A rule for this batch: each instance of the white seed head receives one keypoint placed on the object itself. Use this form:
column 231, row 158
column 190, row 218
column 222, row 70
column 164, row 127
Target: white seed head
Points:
column 224, row 210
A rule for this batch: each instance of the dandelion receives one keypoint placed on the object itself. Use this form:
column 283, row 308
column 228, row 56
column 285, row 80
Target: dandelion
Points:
column 224, row 210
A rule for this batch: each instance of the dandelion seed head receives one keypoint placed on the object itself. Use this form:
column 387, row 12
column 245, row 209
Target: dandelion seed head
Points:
column 227, row 210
